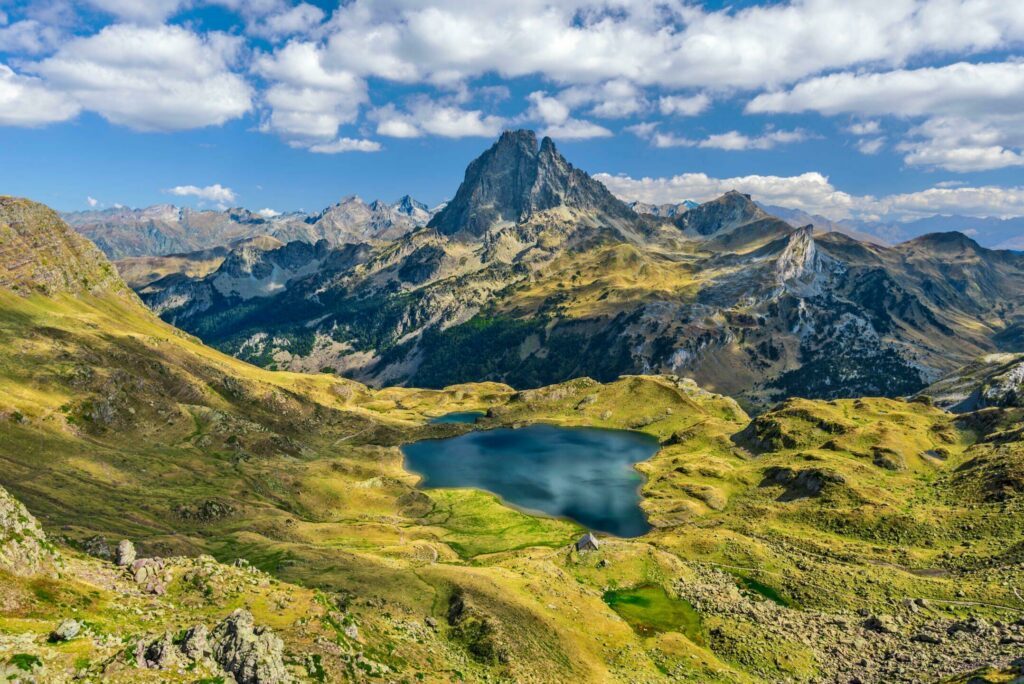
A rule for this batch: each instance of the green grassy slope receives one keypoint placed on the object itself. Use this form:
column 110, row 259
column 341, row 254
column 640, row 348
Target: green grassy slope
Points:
column 776, row 531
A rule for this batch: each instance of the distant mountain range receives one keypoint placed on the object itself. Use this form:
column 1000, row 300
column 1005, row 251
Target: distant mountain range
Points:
column 994, row 233
column 534, row 273
column 166, row 229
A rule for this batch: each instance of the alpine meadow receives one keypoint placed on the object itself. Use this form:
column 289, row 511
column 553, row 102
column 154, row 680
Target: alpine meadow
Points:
column 692, row 349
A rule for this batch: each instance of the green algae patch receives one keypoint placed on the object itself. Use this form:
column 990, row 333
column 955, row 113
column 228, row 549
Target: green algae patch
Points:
column 649, row 610
column 761, row 589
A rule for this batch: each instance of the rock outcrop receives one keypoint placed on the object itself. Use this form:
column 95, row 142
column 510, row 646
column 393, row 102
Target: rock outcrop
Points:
column 125, row 554
column 994, row 380
column 251, row 654
column 24, row 550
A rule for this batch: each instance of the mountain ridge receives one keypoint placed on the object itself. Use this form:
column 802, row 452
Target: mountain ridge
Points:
column 165, row 229
column 547, row 276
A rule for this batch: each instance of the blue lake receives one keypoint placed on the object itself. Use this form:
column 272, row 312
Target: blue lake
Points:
column 585, row 474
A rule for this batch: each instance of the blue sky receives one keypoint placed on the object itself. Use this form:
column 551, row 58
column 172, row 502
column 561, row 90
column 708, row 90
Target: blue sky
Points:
column 896, row 109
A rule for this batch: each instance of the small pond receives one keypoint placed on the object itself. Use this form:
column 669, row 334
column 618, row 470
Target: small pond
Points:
column 650, row 610
column 585, row 474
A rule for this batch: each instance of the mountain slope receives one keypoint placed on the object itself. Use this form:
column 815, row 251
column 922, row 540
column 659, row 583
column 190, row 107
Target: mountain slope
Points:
column 534, row 274
column 38, row 254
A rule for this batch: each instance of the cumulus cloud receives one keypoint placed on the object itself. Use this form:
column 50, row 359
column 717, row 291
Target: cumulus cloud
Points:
column 814, row 193
column 297, row 20
column 152, row 79
column 29, row 36
column 139, row 11
column 732, row 140
column 864, row 128
column 211, row 193
column 736, row 141
column 268, row 213
column 92, row 201
column 671, row 45
column 615, row 99
column 675, row 105
column 308, row 99
column 27, row 101
column 445, row 119
column 555, row 114
column 576, row 129
column 811, row 192
column 971, row 112
column 346, row 145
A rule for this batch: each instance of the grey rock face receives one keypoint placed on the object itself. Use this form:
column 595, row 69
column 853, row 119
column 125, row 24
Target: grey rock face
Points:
column 514, row 179
column 125, row 553
column 24, row 550
column 159, row 655
column 196, row 644
column 253, row 655
column 66, row 631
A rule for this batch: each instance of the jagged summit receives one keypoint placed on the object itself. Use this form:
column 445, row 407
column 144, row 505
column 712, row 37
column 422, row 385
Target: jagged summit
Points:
column 516, row 178
column 720, row 215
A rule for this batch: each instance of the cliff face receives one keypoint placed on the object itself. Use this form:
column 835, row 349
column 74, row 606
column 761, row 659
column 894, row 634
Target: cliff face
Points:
column 39, row 253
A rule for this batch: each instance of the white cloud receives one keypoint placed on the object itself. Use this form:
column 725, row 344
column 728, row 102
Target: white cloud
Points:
column 346, row 145
column 308, row 99
column 29, row 36
column 211, row 193
column 152, row 79
column 812, row 192
column 140, row 11
column 26, row 101
column 91, row 201
column 425, row 116
column 671, row 44
column 965, row 144
column 972, row 112
column 576, row 129
column 991, row 201
column 731, row 140
column 297, row 20
column 675, row 105
column 268, row 213
column 736, row 141
column 961, row 89
column 555, row 114
column 864, row 128
column 871, row 145
column 615, row 99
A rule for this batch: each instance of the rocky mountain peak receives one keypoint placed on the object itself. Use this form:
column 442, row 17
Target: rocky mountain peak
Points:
column 516, row 178
column 410, row 207
column 721, row 214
